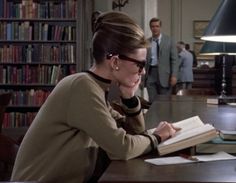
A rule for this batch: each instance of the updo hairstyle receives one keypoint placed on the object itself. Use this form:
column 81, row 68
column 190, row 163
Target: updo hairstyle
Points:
column 116, row 33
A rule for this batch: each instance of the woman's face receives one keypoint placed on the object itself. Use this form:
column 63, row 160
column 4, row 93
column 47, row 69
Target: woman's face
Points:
column 131, row 67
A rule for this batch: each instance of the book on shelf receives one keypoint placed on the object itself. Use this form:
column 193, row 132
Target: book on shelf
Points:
column 216, row 145
column 228, row 134
column 193, row 131
column 55, row 76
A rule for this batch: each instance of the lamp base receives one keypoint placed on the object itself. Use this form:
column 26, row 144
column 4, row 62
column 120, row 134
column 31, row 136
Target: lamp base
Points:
column 221, row 100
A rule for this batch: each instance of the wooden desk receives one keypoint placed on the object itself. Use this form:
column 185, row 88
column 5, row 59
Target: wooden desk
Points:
column 176, row 108
column 138, row 171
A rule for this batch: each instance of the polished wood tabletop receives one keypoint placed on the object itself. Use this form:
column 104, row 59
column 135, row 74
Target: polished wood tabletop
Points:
column 138, row 171
column 175, row 108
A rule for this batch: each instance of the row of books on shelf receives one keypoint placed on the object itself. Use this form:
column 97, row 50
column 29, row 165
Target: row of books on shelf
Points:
column 26, row 74
column 38, row 9
column 38, row 53
column 12, row 31
column 17, row 119
column 30, row 97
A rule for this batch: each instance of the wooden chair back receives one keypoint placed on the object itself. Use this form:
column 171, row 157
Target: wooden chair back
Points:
column 8, row 151
column 4, row 101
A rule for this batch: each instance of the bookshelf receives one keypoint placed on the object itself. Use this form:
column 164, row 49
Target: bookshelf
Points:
column 39, row 45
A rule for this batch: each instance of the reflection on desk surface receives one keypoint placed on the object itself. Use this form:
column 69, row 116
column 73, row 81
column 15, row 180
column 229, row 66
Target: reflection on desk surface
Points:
column 137, row 170
column 175, row 108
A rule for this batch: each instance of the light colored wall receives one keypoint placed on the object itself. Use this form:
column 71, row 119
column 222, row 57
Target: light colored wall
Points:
column 135, row 9
column 196, row 10
column 103, row 5
column 140, row 10
column 164, row 13
column 204, row 10
column 177, row 15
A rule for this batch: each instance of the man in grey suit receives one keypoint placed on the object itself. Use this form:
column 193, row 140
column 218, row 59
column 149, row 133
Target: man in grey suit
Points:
column 185, row 78
column 162, row 58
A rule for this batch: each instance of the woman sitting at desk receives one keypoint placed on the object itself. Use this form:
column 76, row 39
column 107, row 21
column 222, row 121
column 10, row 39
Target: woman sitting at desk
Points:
column 62, row 143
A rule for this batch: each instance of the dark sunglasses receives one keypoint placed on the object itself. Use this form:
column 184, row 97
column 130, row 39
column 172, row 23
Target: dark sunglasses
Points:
column 140, row 64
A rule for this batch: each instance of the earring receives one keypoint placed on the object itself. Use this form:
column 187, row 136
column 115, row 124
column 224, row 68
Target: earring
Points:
column 117, row 68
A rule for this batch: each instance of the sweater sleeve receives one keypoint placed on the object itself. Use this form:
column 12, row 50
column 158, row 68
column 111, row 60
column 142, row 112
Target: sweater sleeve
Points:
column 96, row 121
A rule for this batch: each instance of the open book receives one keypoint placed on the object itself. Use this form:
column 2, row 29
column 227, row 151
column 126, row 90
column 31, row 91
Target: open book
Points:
column 193, row 131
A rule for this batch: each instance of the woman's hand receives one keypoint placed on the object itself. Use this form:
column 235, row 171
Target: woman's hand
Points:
column 173, row 81
column 165, row 130
column 129, row 91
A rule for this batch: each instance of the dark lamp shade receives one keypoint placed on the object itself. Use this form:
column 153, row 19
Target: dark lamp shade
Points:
column 218, row 48
column 222, row 26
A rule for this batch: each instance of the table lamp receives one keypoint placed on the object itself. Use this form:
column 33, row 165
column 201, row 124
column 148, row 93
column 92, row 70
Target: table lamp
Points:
column 219, row 48
column 222, row 27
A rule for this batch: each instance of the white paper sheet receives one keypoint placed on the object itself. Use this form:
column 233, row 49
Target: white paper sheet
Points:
column 180, row 160
column 232, row 104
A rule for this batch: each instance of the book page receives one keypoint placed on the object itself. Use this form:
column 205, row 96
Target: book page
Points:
column 190, row 128
column 188, row 142
column 185, row 124
column 183, row 134
column 189, row 124
column 168, row 160
column 215, row 157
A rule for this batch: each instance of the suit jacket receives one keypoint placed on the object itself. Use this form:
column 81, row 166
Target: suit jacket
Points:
column 168, row 60
column 185, row 68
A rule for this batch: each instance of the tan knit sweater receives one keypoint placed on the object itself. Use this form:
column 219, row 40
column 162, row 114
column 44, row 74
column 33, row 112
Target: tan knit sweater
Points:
column 62, row 143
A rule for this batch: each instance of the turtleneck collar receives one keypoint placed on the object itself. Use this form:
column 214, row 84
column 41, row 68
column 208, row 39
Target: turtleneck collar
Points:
column 104, row 83
column 108, row 81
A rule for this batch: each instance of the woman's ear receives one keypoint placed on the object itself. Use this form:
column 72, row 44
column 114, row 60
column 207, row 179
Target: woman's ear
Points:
column 115, row 63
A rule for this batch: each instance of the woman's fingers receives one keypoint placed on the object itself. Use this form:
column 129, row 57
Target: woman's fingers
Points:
column 166, row 130
column 176, row 128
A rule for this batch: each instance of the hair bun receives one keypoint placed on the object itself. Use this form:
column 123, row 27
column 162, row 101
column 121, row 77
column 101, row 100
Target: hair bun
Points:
column 95, row 20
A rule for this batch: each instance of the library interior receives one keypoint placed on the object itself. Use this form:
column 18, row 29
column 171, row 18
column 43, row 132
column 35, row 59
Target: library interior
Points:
column 44, row 43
